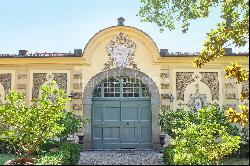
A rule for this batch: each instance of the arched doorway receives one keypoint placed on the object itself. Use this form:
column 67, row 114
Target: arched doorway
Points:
column 121, row 114
column 93, row 100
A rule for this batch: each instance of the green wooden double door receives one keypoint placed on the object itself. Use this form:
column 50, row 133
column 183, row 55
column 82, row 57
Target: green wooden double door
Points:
column 121, row 124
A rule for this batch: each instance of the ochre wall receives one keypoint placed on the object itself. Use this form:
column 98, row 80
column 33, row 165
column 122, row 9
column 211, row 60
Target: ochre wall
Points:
column 79, row 70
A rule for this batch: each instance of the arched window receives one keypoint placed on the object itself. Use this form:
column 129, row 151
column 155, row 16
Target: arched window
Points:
column 121, row 87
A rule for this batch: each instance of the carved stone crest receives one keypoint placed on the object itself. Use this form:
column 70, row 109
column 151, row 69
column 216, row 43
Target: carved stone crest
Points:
column 121, row 52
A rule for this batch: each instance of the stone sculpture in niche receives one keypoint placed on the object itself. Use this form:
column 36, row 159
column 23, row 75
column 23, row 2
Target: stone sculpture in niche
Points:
column 197, row 100
column 121, row 52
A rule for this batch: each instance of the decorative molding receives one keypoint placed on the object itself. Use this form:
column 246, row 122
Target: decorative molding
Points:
column 165, row 107
column 77, row 85
column 77, row 95
column 77, row 76
column 164, row 75
column 77, row 107
column 231, row 96
column 164, row 85
column 121, row 52
column 164, row 96
column 180, row 104
column 229, row 85
column 22, row 76
column 21, row 86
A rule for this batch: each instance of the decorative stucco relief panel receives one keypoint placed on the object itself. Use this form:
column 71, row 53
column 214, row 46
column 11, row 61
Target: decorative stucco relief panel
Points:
column 194, row 89
column 5, row 85
column 212, row 81
column 245, row 86
column 121, row 52
column 182, row 80
column 40, row 78
column 61, row 80
column 5, row 80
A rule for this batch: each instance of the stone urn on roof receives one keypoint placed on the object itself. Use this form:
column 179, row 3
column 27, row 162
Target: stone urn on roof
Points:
column 120, row 21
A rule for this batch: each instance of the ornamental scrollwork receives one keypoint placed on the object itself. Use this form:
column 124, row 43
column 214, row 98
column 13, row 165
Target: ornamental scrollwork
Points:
column 121, row 52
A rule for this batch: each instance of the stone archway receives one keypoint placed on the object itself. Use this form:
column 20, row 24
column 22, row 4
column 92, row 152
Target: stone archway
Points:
column 155, row 100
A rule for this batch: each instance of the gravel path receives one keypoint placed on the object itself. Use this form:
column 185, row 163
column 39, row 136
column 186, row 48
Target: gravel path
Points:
column 120, row 158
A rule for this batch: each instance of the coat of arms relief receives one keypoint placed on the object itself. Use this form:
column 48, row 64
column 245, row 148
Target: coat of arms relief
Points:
column 121, row 52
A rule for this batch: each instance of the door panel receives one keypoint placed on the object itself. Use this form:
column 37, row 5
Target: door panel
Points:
column 121, row 123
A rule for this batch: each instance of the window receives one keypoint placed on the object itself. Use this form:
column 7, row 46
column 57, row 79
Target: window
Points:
column 121, row 87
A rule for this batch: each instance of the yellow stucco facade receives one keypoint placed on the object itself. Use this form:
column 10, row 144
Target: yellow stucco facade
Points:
column 172, row 76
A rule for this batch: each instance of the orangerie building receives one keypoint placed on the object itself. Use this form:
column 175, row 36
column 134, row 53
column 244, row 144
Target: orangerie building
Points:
column 121, row 80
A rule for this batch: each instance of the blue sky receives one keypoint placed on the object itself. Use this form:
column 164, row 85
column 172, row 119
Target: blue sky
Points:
column 63, row 25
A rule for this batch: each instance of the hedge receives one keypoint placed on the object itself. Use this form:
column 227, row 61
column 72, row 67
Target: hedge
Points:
column 67, row 154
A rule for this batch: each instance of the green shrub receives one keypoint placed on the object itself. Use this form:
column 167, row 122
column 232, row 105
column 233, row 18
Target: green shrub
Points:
column 50, row 144
column 6, row 147
column 30, row 126
column 168, row 155
column 243, row 151
column 204, row 140
column 67, row 154
column 170, row 120
column 72, row 124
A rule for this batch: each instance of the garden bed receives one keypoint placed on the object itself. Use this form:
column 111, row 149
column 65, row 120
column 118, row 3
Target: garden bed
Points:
column 66, row 154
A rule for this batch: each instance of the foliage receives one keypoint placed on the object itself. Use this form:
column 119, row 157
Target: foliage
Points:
column 68, row 154
column 6, row 147
column 72, row 124
column 236, row 72
column 239, row 117
column 243, row 151
column 170, row 121
column 168, row 155
column 233, row 29
column 205, row 141
column 6, row 157
column 29, row 127
column 48, row 145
